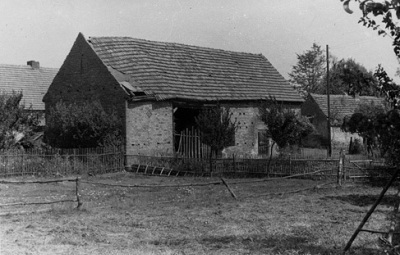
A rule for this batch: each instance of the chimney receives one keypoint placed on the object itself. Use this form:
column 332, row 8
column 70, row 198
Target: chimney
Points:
column 34, row 64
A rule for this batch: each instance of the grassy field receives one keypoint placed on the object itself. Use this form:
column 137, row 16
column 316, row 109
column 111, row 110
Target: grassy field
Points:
column 191, row 220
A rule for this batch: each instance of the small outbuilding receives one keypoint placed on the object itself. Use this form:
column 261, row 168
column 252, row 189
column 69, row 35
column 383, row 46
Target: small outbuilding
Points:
column 316, row 109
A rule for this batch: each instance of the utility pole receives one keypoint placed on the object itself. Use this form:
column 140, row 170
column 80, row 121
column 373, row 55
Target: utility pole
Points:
column 328, row 103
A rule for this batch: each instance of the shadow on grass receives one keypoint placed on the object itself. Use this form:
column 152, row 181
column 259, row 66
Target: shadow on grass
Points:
column 364, row 200
column 258, row 244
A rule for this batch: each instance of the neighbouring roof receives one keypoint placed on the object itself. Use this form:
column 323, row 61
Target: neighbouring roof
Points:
column 343, row 105
column 178, row 71
column 32, row 82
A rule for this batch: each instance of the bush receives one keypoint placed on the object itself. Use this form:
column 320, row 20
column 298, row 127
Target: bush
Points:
column 82, row 125
column 16, row 122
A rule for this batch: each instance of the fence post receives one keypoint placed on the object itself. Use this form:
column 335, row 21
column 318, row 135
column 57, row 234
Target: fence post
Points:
column 73, row 161
column 78, row 195
column 344, row 167
column 340, row 168
column 22, row 164
column 234, row 164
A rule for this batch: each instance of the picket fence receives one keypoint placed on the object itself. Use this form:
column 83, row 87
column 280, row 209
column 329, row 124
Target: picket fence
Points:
column 92, row 161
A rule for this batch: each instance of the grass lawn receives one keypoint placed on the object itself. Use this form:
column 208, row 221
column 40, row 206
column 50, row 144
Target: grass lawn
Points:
column 191, row 220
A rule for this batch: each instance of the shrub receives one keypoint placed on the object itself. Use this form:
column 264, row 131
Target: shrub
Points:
column 16, row 122
column 82, row 125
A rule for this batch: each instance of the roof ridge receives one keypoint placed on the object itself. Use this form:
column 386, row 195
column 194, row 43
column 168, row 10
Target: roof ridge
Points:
column 27, row 66
column 172, row 43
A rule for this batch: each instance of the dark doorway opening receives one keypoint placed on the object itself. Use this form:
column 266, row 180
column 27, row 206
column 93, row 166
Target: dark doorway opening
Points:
column 184, row 119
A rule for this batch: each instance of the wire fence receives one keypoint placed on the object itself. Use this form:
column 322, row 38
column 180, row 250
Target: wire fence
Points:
column 79, row 197
column 56, row 195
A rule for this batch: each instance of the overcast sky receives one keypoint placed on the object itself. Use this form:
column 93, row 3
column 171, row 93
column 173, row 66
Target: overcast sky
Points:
column 44, row 30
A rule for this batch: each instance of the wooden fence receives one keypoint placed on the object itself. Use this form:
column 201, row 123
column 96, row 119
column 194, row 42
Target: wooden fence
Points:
column 61, row 162
column 190, row 145
column 235, row 167
column 362, row 169
column 77, row 198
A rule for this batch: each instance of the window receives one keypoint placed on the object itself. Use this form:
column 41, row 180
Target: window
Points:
column 263, row 143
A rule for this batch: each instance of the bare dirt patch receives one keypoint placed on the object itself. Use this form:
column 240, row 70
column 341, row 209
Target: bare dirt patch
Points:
column 190, row 220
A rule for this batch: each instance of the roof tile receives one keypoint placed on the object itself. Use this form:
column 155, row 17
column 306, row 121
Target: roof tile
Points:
column 33, row 83
column 343, row 105
column 171, row 70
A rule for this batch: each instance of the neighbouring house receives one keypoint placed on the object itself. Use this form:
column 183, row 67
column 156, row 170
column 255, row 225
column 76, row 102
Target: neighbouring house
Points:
column 158, row 89
column 32, row 80
column 316, row 109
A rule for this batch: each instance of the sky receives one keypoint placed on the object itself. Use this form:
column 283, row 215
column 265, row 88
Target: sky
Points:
column 44, row 30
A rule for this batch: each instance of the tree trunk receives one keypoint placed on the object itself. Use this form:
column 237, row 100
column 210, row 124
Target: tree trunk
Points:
column 211, row 151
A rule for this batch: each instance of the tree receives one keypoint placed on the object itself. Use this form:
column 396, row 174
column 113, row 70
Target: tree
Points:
column 310, row 69
column 364, row 122
column 15, row 120
column 386, row 126
column 389, row 12
column 284, row 126
column 349, row 77
column 216, row 128
column 387, row 87
column 82, row 125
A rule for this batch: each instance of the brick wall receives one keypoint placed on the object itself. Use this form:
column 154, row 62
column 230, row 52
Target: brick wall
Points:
column 249, row 124
column 84, row 77
column 149, row 128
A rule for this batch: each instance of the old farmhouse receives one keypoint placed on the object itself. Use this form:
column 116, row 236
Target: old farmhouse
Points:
column 316, row 109
column 158, row 88
column 32, row 80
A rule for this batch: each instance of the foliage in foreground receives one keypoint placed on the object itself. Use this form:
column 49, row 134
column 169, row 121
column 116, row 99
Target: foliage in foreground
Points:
column 284, row 126
column 381, row 127
column 15, row 121
column 216, row 127
column 85, row 125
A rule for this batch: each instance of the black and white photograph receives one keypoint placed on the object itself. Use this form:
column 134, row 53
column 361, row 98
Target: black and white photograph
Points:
column 197, row 127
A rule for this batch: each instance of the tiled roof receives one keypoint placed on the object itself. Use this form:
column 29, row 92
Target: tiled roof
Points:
column 32, row 82
column 343, row 105
column 171, row 70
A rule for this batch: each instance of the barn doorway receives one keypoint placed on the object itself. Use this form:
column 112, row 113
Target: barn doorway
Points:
column 184, row 118
column 187, row 140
